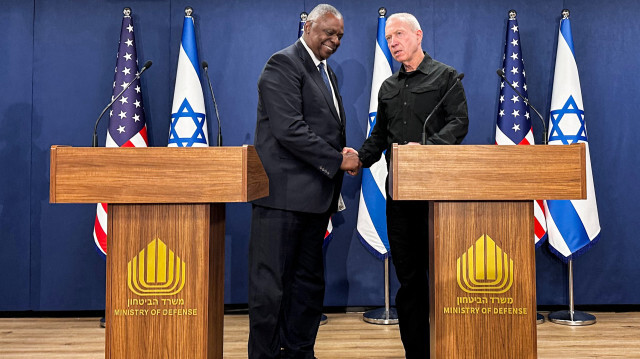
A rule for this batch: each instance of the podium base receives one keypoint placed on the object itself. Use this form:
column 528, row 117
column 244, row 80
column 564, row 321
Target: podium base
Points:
column 573, row 318
column 381, row 316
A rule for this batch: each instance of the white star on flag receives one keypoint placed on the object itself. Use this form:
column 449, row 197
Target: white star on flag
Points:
column 514, row 42
column 121, row 129
column 516, row 113
column 516, row 128
column 514, row 70
column 127, row 56
column 123, row 100
column 514, row 56
column 122, row 114
column 515, row 99
column 514, row 28
column 137, row 103
column 126, row 71
column 130, row 28
column 129, row 42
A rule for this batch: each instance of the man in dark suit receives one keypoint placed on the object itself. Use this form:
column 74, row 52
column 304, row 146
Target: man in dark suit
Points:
column 300, row 138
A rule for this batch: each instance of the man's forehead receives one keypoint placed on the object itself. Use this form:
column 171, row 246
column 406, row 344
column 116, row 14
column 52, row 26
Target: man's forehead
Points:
column 397, row 24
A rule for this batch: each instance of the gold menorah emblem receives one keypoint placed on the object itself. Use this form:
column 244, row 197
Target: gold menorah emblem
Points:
column 156, row 270
column 484, row 268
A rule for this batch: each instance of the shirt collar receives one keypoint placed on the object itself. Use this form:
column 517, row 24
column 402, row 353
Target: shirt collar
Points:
column 423, row 67
column 316, row 61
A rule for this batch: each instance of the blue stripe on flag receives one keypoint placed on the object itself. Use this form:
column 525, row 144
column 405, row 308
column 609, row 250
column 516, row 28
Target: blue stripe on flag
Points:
column 565, row 30
column 569, row 224
column 189, row 42
column 372, row 250
column 376, row 205
column 382, row 41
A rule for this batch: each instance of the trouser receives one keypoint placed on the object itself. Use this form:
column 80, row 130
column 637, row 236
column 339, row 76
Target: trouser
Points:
column 286, row 282
column 407, row 229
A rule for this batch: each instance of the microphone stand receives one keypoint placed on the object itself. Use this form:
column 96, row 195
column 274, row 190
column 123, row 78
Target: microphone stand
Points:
column 424, row 126
column 205, row 66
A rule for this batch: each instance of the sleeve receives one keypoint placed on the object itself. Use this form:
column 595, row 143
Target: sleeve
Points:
column 374, row 146
column 456, row 121
column 280, row 89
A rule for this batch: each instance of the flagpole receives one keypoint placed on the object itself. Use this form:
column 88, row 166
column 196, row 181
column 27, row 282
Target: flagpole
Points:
column 386, row 315
column 571, row 317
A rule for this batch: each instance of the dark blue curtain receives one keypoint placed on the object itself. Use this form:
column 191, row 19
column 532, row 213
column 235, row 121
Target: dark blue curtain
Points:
column 57, row 71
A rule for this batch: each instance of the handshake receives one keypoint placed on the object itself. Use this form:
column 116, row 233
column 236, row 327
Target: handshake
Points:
column 350, row 161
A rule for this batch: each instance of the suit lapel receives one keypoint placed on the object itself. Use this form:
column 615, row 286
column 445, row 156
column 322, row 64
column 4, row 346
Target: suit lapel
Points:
column 314, row 73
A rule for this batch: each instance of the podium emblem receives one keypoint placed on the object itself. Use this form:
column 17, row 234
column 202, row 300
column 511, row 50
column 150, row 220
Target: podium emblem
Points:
column 484, row 268
column 156, row 270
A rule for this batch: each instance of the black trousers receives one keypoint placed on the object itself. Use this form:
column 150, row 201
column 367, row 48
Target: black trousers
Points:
column 408, row 232
column 286, row 282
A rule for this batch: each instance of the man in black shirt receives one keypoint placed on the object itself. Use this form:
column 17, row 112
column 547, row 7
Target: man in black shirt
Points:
column 404, row 101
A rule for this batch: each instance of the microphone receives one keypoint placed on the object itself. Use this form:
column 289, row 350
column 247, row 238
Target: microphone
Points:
column 205, row 66
column 424, row 126
column 94, row 142
column 500, row 73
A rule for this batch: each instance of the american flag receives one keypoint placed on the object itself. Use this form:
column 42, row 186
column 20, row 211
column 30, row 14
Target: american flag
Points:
column 513, row 126
column 127, row 125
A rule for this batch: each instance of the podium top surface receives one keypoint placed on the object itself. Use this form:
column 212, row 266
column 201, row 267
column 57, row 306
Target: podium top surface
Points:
column 156, row 175
column 487, row 172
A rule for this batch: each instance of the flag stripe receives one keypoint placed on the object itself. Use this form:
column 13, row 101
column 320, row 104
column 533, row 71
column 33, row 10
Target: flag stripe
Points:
column 189, row 43
column 376, row 206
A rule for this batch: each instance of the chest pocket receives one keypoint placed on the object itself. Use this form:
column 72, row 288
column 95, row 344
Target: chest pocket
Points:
column 424, row 99
column 391, row 103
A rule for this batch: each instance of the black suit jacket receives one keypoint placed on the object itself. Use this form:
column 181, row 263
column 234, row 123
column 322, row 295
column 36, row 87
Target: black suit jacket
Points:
column 299, row 135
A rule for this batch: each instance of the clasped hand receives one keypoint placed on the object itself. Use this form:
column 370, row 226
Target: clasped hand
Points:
column 350, row 161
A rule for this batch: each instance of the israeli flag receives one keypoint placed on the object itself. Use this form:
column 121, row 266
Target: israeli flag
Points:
column 372, row 218
column 572, row 226
column 188, row 114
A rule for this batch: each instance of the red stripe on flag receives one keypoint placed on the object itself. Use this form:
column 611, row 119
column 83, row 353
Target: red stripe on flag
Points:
column 101, row 235
column 524, row 142
column 539, row 230
column 143, row 133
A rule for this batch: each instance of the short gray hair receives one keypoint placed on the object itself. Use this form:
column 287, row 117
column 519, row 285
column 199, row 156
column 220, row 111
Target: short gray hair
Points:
column 408, row 19
column 321, row 10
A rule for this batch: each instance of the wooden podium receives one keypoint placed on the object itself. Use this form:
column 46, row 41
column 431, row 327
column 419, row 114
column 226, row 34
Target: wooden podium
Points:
column 165, row 262
column 481, row 238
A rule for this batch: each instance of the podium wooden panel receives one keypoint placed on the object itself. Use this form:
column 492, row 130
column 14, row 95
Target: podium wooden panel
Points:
column 165, row 262
column 481, row 238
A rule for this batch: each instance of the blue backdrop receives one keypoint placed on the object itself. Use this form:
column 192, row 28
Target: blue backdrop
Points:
column 57, row 70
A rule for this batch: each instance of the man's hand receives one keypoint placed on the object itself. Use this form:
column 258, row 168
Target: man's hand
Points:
column 350, row 161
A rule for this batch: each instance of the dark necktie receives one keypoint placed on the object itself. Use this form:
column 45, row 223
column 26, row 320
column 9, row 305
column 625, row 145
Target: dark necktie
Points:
column 325, row 78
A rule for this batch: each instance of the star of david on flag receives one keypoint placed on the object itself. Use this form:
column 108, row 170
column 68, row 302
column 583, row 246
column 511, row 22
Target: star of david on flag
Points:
column 372, row 217
column 573, row 226
column 127, row 124
column 513, row 125
column 188, row 115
